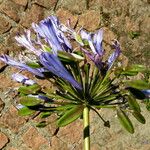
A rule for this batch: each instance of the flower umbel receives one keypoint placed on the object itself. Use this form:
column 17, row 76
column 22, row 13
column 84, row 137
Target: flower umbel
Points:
column 80, row 85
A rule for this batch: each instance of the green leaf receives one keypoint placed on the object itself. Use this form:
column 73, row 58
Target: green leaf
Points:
column 33, row 65
column 41, row 124
column 69, row 57
column 147, row 102
column 136, row 67
column 139, row 84
column 77, row 56
column 133, row 104
column 130, row 70
column 134, row 34
column 78, row 38
column 70, row 115
column 45, row 114
column 29, row 101
column 47, row 49
column 125, row 121
column 64, row 56
column 129, row 73
column 32, row 89
column 25, row 111
column 65, row 107
column 139, row 117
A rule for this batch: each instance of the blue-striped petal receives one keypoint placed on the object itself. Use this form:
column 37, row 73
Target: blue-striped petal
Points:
column 22, row 79
column 25, row 40
column 97, row 41
column 147, row 93
column 53, row 64
column 9, row 61
column 49, row 30
column 114, row 55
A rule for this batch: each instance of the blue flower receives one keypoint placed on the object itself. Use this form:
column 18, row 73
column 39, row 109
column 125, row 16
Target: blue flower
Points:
column 49, row 29
column 22, row 79
column 95, row 44
column 25, row 40
column 52, row 63
column 42, row 97
column 94, row 40
column 114, row 55
column 147, row 93
column 9, row 61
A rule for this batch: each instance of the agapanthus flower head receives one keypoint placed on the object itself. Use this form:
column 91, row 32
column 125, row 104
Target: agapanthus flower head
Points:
column 97, row 52
column 79, row 83
column 49, row 29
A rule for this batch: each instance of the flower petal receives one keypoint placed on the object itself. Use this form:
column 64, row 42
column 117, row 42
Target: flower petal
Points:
column 52, row 63
column 9, row 61
column 49, row 29
column 42, row 97
column 25, row 40
column 97, row 41
column 147, row 93
column 114, row 55
column 88, row 36
column 23, row 79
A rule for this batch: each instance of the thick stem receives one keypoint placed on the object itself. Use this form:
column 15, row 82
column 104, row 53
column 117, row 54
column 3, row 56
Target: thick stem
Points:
column 86, row 128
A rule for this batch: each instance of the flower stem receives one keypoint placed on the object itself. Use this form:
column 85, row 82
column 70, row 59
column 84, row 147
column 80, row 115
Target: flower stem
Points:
column 86, row 128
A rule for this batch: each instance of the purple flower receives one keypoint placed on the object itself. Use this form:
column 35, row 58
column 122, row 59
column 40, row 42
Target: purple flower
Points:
column 52, row 63
column 49, row 30
column 20, row 106
column 22, row 79
column 147, row 93
column 114, row 55
column 9, row 61
column 94, row 40
column 25, row 40
column 42, row 97
column 95, row 44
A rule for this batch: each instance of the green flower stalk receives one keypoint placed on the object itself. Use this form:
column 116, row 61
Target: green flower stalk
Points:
column 83, row 79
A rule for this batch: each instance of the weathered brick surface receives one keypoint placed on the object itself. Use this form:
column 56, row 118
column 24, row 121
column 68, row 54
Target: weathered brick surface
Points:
column 4, row 25
column 34, row 14
column 64, row 15
column 11, row 120
column 46, row 3
column 33, row 139
column 11, row 10
column 21, row 2
column 2, row 104
column 90, row 20
column 3, row 140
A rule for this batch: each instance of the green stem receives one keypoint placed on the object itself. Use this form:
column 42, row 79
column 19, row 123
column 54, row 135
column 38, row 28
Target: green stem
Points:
column 86, row 128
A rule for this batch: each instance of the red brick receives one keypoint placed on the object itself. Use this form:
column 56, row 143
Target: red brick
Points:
column 10, row 9
column 34, row 14
column 64, row 15
column 11, row 120
column 46, row 3
column 90, row 20
column 33, row 139
column 72, row 133
column 3, row 140
column 21, row 2
column 57, row 144
column 4, row 25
